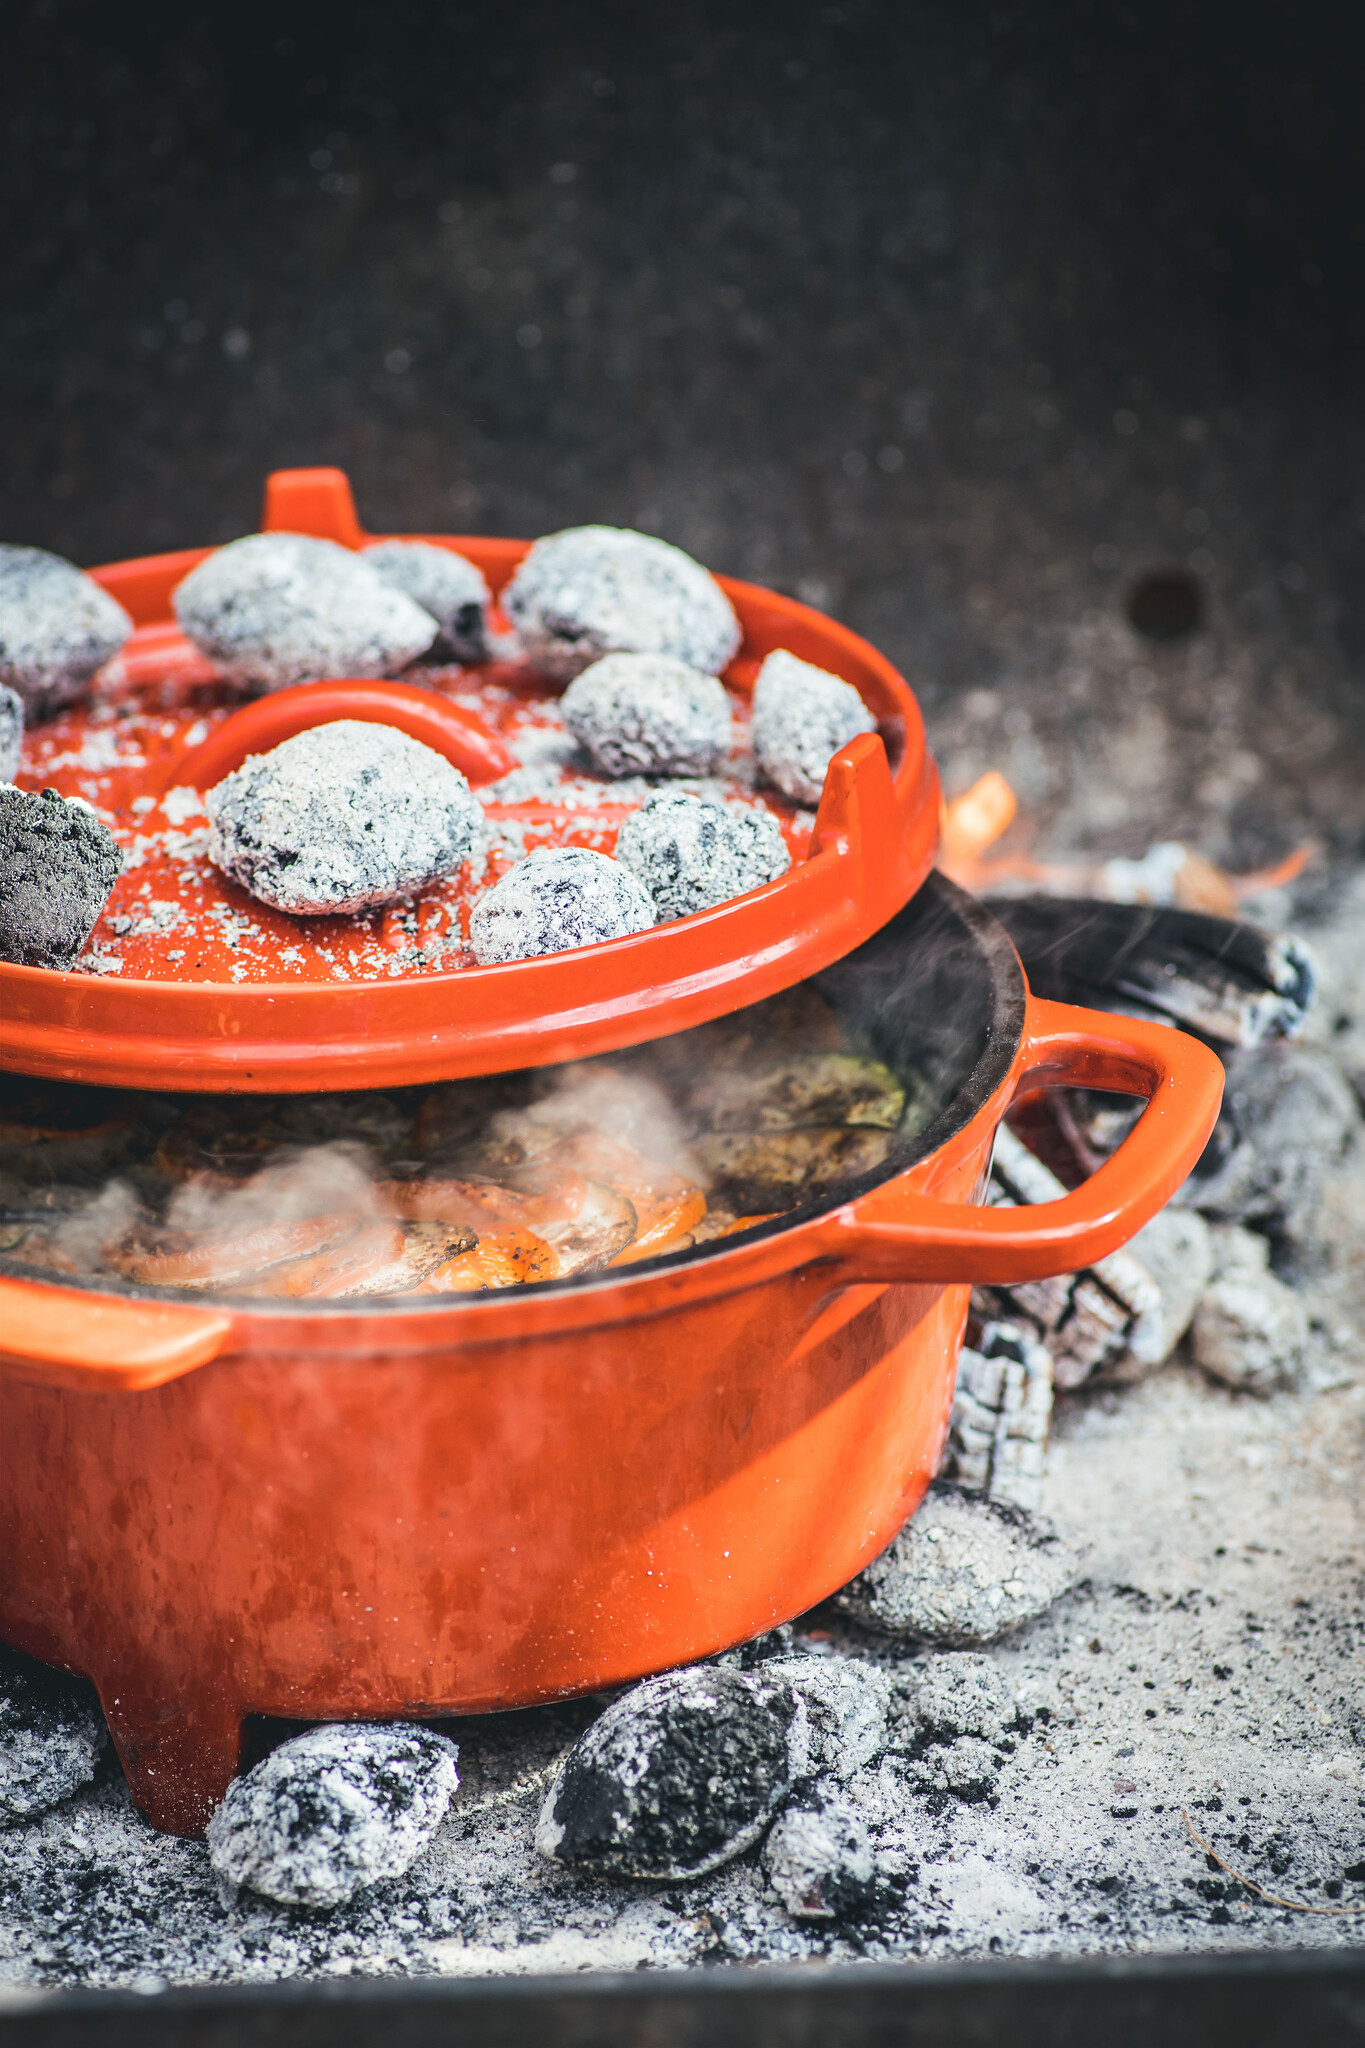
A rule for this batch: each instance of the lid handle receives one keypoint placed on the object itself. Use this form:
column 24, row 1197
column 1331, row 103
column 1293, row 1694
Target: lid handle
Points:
column 316, row 501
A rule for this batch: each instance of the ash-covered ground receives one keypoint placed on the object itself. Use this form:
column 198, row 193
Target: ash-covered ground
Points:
column 1209, row 1663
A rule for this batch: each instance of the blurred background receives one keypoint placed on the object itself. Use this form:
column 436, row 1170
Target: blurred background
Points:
column 1027, row 340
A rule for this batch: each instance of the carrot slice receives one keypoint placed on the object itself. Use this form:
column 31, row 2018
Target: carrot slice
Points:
column 512, row 1260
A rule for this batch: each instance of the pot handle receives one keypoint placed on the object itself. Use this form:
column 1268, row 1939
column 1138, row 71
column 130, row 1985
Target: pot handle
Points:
column 462, row 737
column 898, row 1235
column 63, row 1337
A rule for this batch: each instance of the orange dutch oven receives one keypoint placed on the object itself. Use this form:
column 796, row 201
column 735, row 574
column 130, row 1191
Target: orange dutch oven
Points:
column 450, row 1507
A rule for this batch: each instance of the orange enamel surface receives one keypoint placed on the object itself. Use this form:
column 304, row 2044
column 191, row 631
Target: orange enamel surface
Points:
column 527, row 1494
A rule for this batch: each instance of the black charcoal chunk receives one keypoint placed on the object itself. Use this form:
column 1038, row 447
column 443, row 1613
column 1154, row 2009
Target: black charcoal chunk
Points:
column 689, row 854
column 819, row 1860
column 802, row 716
column 51, row 1735
column 595, row 590
column 964, row 1571
column 11, row 732
column 58, row 862
column 677, row 1777
column 334, row 1810
column 341, row 818
column 56, row 628
column 557, row 898
column 282, row 608
column 445, row 584
column 647, row 714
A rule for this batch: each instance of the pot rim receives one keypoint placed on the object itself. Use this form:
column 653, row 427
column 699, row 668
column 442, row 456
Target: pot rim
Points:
column 1004, row 1029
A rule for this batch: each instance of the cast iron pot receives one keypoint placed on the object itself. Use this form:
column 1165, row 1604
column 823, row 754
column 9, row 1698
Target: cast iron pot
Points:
column 449, row 1507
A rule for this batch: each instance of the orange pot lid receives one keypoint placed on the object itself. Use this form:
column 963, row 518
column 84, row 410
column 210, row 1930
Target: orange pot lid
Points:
column 191, row 983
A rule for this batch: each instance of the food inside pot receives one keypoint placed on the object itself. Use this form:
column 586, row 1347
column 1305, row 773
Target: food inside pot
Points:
column 499, row 1182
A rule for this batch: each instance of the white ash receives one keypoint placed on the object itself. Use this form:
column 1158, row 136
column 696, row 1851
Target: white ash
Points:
column 282, row 608
column 820, row 1859
column 340, row 818
column 11, row 732
column 595, row 590
column 558, row 898
column 847, row 1703
column 333, row 1810
column 963, row 1572
column 445, row 584
column 679, row 1776
column 691, row 855
column 58, row 863
column 1249, row 1330
column 57, row 627
column 51, row 1736
column 802, row 715
column 1002, row 1411
column 648, row 714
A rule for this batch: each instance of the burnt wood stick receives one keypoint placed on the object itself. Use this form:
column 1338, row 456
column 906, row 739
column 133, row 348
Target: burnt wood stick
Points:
column 1223, row 980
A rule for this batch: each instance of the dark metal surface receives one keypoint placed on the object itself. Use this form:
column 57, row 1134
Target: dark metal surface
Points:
column 1289, row 2001
column 956, row 319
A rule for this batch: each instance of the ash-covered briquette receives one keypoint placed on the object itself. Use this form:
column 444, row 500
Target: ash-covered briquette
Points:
column 677, row 1777
column 847, row 1706
column 820, row 1860
column 648, row 714
column 51, row 1735
column 334, row 1810
column 595, row 590
column 341, row 818
column 689, row 854
column 963, row 1572
column 58, row 862
column 558, row 898
column 445, row 584
column 802, row 715
column 11, row 732
column 283, row 608
column 56, row 628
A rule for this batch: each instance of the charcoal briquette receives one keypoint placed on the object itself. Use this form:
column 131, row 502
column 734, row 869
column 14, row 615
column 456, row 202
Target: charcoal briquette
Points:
column 802, row 715
column 558, row 898
column 58, row 862
column 11, row 732
column 57, row 627
column 341, row 818
column 445, row 584
column 334, row 1810
column 276, row 609
column 677, row 1777
column 595, row 590
column 690, row 855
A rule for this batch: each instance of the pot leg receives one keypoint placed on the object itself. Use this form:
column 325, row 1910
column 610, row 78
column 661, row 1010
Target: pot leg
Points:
column 178, row 1763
